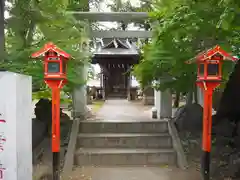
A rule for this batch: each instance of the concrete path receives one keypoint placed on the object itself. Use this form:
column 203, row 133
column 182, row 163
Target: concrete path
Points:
column 124, row 110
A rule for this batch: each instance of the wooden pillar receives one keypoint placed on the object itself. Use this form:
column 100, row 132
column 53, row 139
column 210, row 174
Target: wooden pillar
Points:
column 104, row 79
column 129, row 87
column 130, row 96
column 104, row 86
column 101, row 79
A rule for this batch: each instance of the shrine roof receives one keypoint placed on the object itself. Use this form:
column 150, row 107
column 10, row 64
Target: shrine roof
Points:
column 50, row 46
column 202, row 56
column 117, row 47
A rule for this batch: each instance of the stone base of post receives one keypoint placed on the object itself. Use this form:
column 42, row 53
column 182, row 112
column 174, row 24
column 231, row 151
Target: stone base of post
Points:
column 148, row 96
column 163, row 103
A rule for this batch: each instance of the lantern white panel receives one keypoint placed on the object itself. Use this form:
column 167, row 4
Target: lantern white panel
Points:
column 15, row 126
column 200, row 96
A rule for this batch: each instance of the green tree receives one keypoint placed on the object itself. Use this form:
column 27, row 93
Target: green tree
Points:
column 31, row 25
column 182, row 29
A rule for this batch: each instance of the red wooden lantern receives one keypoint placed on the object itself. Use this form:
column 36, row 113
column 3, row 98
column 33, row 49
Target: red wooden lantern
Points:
column 55, row 63
column 210, row 64
column 209, row 75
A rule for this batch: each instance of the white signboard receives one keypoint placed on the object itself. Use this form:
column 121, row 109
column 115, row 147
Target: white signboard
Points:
column 3, row 138
column 15, row 127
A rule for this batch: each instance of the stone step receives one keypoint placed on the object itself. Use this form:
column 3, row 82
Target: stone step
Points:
column 118, row 140
column 111, row 157
column 123, row 126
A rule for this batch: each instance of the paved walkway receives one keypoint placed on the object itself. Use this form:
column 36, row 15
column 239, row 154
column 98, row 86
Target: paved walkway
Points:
column 124, row 110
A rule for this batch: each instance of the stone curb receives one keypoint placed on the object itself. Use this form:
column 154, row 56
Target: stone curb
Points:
column 69, row 157
column 177, row 145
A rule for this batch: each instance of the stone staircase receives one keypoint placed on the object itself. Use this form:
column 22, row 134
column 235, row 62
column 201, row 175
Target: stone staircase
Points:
column 109, row 143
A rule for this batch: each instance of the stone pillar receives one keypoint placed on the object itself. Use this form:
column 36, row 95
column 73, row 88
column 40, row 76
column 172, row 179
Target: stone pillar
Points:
column 15, row 126
column 163, row 100
column 148, row 96
column 163, row 103
column 157, row 99
column 80, row 94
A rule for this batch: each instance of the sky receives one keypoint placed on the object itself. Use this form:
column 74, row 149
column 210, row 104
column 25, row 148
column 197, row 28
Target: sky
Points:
column 6, row 13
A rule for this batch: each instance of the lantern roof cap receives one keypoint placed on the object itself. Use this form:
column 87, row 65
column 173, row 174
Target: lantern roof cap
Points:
column 50, row 47
column 202, row 56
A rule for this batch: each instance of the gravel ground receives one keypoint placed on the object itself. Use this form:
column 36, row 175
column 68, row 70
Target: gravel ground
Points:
column 43, row 167
column 42, row 170
column 222, row 161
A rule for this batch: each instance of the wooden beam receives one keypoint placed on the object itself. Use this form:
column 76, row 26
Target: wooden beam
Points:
column 110, row 16
column 121, row 34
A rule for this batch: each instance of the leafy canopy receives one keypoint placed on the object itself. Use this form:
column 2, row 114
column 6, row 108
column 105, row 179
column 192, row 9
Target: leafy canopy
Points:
column 33, row 23
column 181, row 29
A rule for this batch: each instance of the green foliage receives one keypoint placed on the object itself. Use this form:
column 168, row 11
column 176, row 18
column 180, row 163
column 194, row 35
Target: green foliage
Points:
column 128, row 6
column 48, row 94
column 34, row 23
column 182, row 29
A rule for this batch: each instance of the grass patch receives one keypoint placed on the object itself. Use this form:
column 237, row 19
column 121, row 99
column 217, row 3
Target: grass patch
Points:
column 96, row 105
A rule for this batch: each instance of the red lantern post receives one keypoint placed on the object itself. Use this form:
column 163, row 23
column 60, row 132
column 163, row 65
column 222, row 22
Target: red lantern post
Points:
column 55, row 64
column 209, row 76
